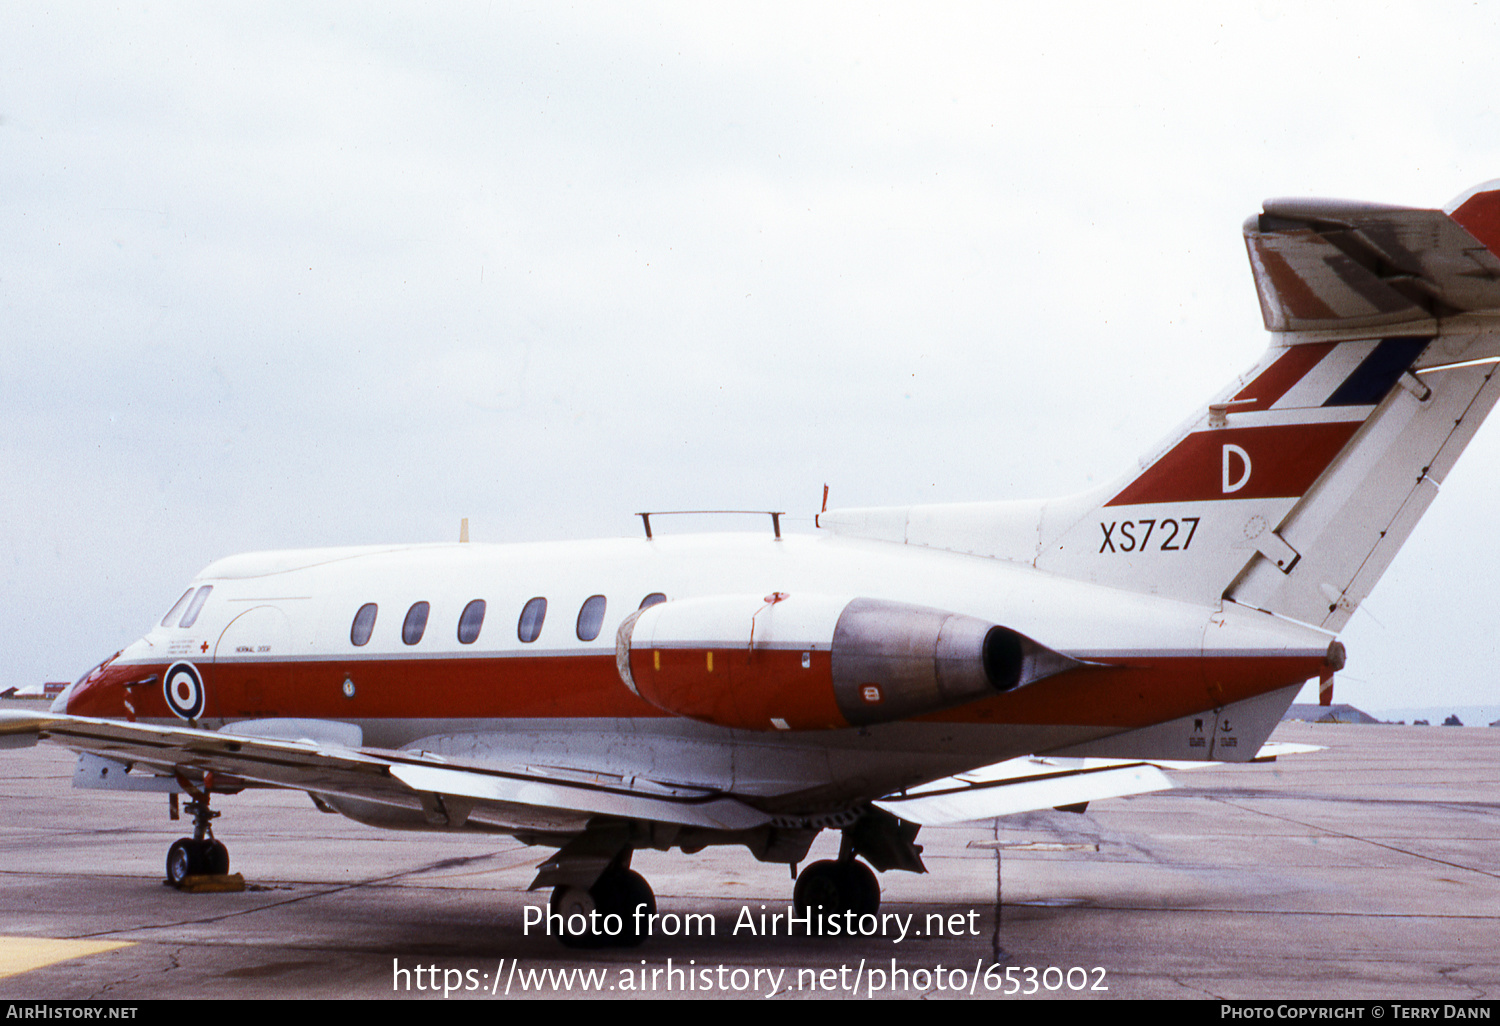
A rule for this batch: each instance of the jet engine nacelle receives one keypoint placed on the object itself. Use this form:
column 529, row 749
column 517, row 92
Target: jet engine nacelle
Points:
column 819, row 662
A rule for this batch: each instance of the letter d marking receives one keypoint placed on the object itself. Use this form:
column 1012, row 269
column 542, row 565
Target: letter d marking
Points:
column 1234, row 486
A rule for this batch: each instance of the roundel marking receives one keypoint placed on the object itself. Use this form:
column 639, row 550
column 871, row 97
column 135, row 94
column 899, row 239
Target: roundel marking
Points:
column 183, row 688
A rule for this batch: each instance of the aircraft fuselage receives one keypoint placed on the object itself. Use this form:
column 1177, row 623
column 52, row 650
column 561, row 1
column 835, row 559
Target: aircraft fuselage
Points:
column 281, row 636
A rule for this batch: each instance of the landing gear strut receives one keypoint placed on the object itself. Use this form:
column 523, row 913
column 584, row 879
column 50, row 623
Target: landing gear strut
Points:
column 607, row 909
column 199, row 855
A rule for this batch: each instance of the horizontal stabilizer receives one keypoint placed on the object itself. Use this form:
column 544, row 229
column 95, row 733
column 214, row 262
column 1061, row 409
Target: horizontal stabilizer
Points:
column 1273, row 750
column 1031, row 783
column 1337, row 265
column 1022, row 785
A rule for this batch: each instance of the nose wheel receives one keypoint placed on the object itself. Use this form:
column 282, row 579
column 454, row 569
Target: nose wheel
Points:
column 201, row 854
column 191, row 857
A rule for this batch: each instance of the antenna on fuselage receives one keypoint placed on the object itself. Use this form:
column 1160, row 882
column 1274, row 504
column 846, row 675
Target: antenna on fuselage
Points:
column 463, row 530
column 774, row 515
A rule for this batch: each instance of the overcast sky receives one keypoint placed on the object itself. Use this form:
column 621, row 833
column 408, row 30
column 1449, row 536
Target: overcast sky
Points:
column 305, row 274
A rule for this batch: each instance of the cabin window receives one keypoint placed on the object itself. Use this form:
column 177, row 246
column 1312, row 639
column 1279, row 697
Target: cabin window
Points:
column 532, row 616
column 191, row 616
column 415, row 624
column 591, row 617
column 364, row 624
column 656, row 598
column 166, row 621
column 470, row 622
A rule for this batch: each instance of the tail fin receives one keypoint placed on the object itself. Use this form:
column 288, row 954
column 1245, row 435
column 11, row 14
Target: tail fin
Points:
column 1293, row 489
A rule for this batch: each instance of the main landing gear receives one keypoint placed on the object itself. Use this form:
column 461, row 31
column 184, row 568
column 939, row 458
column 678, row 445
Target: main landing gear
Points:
column 614, row 913
column 834, row 887
column 599, row 902
column 616, row 910
column 199, row 855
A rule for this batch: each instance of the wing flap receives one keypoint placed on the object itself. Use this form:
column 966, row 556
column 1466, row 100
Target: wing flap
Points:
column 694, row 809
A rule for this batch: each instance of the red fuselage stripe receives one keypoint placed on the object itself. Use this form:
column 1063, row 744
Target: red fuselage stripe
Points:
column 1127, row 692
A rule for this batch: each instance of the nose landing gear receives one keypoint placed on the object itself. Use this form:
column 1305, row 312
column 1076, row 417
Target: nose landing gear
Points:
column 192, row 857
column 199, row 855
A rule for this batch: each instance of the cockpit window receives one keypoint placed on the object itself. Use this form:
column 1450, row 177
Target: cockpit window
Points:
column 415, row 624
column 364, row 624
column 656, row 598
column 530, row 627
column 470, row 622
column 591, row 618
column 191, row 616
column 166, row 621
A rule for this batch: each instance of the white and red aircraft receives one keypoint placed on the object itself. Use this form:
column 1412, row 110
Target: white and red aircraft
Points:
column 902, row 666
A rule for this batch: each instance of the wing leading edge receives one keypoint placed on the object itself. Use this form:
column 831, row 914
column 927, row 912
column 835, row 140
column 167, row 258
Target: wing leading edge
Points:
column 447, row 792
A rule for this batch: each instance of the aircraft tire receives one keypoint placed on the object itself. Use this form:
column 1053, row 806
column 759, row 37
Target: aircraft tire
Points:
column 184, row 859
column 215, row 858
column 618, row 892
column 833, row 888
column 818, row 889
column 623, row 891
column 572, row 901
column 861, row 888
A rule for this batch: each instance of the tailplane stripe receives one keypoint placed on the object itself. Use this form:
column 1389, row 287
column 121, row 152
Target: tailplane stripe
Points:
column 1373, row 378
column 1286, row 294
column 1276, row 380
column 1479, row 215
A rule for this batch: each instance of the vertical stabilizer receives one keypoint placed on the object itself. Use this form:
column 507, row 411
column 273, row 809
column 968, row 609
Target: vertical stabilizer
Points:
column 1291, row 490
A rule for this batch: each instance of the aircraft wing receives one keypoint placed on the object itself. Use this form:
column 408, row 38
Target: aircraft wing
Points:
column 1023, row 785
column 449, row 792
column 1324, row 264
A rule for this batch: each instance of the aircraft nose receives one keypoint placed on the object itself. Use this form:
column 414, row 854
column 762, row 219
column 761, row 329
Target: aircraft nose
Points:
column 82, row 696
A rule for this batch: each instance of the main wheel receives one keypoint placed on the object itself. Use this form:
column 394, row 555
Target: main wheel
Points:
column 833, row 888
column 576, row 901
column 619, row 892
column 819, row 889
column 624, row 892
column 861, row 888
